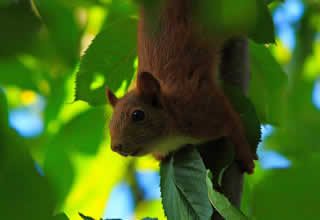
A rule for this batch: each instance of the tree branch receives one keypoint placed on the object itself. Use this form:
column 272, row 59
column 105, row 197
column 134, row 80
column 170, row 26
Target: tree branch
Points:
column 235, row 70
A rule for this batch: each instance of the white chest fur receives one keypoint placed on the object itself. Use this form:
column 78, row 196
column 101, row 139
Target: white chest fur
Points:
column 173, row 143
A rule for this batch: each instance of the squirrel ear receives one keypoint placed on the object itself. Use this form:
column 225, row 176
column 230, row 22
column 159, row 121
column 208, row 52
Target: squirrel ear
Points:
column 147, row 84
column 112, row 99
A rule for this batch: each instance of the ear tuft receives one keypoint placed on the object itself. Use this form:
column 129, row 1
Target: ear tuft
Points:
column 112, row 99
column 147, row 84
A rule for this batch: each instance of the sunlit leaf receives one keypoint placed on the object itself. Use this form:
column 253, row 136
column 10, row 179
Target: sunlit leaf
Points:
column 183, row 186
column 94, row 180
column 110, row 56
column 222, row 204
column 58, row 165
column 150, row 208
column 268, row 84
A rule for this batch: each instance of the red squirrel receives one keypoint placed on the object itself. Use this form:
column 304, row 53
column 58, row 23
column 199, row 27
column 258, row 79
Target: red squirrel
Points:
column 177, row 99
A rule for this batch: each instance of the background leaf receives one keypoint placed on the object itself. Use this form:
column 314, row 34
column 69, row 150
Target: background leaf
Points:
column 15, row 73
column 4, row 112
column 268, row 84
column 19, row 27
column 64, row 32
column 61, row 217
column 288, row 193
column 25, row 194
column 263, row 32
column 222, row 19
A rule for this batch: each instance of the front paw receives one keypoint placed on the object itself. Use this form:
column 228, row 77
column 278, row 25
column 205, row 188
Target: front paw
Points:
column 247, row 162
column 159, row 156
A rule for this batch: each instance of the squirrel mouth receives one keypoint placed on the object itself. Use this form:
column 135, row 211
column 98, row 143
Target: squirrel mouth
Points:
column 123, row 154
column 134, row 153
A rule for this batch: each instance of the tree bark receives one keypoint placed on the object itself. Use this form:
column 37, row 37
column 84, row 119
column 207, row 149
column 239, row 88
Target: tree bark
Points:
column 235, row 70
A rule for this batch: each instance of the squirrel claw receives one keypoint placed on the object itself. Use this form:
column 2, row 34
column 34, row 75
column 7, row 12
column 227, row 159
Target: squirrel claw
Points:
column 247, row 165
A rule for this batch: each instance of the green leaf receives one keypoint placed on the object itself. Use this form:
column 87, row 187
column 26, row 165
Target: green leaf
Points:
column 55, row 99
column 222, row 204
column 226, row 18
column 149, row 218
column 222, row 18
column 61, row 217
column 271, row 1
column 4, row 121
column 291, row 193
column 246, row 110
column 268, row 84
column 83, row 140
column 19, row 28
column 119, row 10
column 63, row 30
column 263, row 32
column 4, row 2
column 71, row 138
column 15, row 73
column 107, row 62
column 183, row 187
column 25, row 194
column 59, row 170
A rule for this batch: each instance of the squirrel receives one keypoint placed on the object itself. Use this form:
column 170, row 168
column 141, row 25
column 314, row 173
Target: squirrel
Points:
column 177, row 99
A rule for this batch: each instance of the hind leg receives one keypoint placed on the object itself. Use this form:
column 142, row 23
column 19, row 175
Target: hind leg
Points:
column 237, row 137
column 235, row 132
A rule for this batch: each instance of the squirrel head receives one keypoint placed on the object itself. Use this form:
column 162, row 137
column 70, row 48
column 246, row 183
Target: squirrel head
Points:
column 139, row 118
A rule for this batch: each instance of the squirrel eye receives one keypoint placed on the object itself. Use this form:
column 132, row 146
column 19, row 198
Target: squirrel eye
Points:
column 137, row 115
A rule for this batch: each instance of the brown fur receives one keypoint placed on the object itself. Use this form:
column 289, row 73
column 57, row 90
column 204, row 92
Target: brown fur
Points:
column 184, row 67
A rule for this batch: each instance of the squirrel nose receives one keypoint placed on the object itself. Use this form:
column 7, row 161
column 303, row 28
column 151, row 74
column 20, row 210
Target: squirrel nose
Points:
column 116, row 148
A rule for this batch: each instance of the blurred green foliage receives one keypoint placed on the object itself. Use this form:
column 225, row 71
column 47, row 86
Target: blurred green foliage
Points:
column 41, row 44
column 247, row 18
